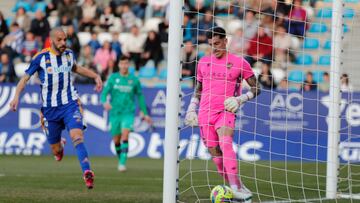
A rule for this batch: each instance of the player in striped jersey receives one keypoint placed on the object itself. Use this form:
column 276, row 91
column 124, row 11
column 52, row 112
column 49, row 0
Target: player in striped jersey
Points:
column 61, row 107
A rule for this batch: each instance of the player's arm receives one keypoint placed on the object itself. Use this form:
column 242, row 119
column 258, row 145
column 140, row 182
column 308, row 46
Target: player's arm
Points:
column 142, row 103
column 233, row 103
column 191, row 117
column 104, row 94
column 19, row 88
column 90, row 74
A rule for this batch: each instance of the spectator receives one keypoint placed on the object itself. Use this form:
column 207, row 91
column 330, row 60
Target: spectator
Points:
column 189, row 61
column 260, row 48
column 12, row 43
column 94, row 43
column 103, row 56
column 282, row 45
column 115, row 44
column 238, row 44
column 70, row 9
column 89, row 11
column 65, row 22
column 250, row 25
column 205, row 23
column 73, row 41
column 139, row 7
column 283, row 85
column 163, row 30
column 128, row 18
column 23, row 19
column 157, row 8
column 345, row 84
column 325, row 85
column 134, row 45
column 4, row 30
column 7, row 72
column 30, row 47
column 309, row 83
column 265, row 78
column 86, row 60
column 111, row 68
column 297, row 19
column 189, row 30
column 52, row 6
column 107, row 19
column 40, row 26
column 152, row 48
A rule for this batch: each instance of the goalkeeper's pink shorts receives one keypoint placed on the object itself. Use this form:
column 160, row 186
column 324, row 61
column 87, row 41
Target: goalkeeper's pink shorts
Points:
column 209, row 123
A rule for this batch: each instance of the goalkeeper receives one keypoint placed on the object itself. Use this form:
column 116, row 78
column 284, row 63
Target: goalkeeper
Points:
column 123, row 88
column 219, row 78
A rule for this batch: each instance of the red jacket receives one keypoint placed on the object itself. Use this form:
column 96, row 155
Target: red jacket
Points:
column 260, row 45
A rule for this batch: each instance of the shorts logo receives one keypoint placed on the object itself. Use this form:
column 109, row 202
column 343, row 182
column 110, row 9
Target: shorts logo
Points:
column 77, row 116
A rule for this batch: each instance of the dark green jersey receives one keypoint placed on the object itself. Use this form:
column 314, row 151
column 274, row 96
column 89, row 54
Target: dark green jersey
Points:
column 123, row 91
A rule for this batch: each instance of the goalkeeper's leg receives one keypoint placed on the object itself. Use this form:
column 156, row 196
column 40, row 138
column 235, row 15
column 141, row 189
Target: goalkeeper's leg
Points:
column 127, row 123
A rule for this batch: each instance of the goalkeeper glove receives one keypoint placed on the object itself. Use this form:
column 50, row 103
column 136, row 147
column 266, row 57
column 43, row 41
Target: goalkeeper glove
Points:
column 232, row 104
column 191, row 118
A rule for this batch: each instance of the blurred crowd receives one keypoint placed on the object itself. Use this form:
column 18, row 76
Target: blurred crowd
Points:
column 265, row 37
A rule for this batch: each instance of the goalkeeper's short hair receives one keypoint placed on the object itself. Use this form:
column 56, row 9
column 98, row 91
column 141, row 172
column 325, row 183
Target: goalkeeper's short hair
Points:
column 216, row 31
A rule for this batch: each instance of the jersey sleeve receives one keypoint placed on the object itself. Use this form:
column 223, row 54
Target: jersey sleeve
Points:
column 246, row 70
column 106, row 90
column 34, row 65
column 141, row 98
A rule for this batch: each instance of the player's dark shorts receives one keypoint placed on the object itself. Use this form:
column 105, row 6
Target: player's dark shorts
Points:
column 56, row 119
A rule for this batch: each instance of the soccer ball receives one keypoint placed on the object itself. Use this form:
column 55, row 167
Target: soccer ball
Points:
column 221, row 193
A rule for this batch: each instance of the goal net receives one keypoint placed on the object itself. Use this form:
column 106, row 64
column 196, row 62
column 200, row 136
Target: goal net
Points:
column 281, row 136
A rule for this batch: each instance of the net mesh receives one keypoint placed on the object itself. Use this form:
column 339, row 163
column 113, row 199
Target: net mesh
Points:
column 280, row 136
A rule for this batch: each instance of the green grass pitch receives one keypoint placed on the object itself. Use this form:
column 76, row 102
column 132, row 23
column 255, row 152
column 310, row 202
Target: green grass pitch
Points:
column 41, row 179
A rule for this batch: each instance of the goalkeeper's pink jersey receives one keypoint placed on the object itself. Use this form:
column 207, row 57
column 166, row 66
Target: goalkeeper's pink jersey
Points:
column 220, row 78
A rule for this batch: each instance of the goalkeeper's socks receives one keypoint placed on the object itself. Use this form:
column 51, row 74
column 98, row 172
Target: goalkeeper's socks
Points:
column 220, row 167
column 229, row 160
column 82, row 156
column 124, row 151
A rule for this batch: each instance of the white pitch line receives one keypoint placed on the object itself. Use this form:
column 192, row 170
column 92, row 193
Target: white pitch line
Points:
column 2, row 175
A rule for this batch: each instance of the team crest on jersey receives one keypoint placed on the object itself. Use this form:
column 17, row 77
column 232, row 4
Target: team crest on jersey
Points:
column 68, row 57
column 229, row 65
column 117, row 80
column 48, row 61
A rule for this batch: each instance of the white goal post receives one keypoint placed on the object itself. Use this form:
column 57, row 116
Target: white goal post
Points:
column 332, row 166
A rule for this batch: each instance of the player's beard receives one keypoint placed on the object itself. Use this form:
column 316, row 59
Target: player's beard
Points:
column 60, row 49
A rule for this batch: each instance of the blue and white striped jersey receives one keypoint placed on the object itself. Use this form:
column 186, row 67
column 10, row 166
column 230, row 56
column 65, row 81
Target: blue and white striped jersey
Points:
column 55, row 75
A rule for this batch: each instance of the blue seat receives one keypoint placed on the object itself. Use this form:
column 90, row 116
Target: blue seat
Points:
column 311, row 43
column 296, row 76
column 324, row 60
column 328, row 1
column 324, row 13
column 346, row 28
column 8, row 21
column 349, row 13
column 318, row 76
column 318, row 28
column 160, row 85
column 39, row 6
column 163, row 74
column 147, row 72
column 304, row 59
column 352, row 1
column 327, row 45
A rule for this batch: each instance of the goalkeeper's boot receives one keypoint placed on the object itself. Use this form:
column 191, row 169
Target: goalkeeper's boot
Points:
column 121, row 168
column 242, row 195
column 59, row 156
column 89, row 179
